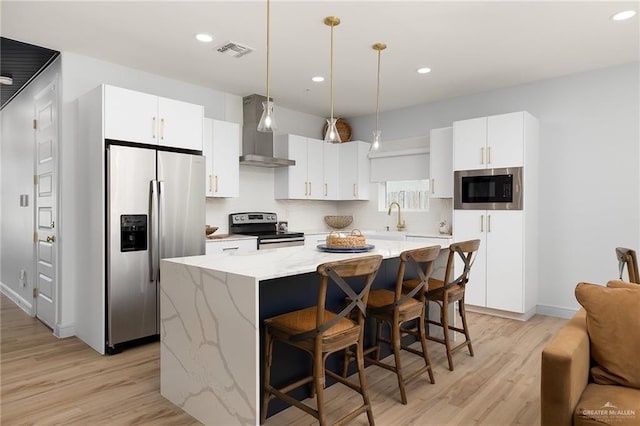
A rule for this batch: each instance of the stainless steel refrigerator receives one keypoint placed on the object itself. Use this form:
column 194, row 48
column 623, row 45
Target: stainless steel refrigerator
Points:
column 155, row 210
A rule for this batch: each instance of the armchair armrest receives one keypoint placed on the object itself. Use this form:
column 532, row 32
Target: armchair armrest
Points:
column 565, row 372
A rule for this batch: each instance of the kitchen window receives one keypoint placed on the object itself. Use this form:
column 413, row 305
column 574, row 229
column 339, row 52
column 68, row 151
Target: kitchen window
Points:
column 412, row 195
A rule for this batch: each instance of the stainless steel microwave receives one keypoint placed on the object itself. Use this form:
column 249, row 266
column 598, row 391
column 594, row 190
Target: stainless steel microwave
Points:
column 488, row 189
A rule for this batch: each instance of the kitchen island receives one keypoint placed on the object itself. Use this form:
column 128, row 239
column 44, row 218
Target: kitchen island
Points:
column 211, row 312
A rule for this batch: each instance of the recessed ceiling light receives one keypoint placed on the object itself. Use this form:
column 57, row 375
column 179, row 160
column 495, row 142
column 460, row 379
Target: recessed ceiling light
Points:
column 204, row 37
column 424, row 70
column 621, row 16
column 318, row 79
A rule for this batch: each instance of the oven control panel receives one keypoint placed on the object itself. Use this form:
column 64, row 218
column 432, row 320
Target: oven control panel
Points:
column 250, row 218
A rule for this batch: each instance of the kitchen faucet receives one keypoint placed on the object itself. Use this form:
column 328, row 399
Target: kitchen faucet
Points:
column 400, row 224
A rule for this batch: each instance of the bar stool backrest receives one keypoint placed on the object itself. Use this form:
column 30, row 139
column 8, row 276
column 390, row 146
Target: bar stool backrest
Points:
column 364, row 268
column 465, row 250
column 628, row 257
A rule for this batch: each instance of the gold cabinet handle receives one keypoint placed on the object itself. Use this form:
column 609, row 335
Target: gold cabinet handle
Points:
column 51, row 239
column 306, row 188
column 216, row 183
column 489, row 223
column 326, row 189
column 433, row 185
column 354, row 189
column 162, row 128
column 482, row 155
column 210, row 183
column 481, row 223
column 153, row 129
column 489, row 157
column 309, row 188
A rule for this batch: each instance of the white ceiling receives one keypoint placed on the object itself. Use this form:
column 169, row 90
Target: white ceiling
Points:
column 471, row 46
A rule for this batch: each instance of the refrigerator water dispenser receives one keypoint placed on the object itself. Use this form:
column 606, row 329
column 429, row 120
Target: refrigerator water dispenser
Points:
column 133, row 232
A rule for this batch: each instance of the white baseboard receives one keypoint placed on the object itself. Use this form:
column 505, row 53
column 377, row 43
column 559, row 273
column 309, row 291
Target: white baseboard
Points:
column 17, row 299
column 64, row 330
column 556, row 311
column 499, row 313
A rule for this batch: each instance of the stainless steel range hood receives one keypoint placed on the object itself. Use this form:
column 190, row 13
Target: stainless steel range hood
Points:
column 257, row 147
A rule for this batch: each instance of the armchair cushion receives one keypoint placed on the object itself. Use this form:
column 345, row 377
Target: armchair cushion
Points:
column 608, row 405
column 613, row 315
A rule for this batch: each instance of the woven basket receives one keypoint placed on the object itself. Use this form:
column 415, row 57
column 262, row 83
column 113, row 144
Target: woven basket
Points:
column 354, row 240
column 344, row 129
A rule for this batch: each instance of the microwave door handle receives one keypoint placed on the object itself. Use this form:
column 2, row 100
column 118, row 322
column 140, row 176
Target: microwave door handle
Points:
column 153, row 233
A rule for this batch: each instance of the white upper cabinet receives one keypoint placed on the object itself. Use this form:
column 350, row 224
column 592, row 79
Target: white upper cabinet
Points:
column 489, row 142
column 222, row 149
column 180, row 124
column 322, row 171
column 354, row 171
column 441, row 162
column 304, row 180
column 331, row 171
column 139, row 117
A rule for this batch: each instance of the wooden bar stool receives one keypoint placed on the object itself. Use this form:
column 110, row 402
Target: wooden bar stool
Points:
column 628, row 257
column 450, row 290
column 396, row 309
column 321, row 332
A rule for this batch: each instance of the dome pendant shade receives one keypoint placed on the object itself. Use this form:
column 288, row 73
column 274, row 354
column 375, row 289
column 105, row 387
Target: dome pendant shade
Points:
column 267, row 120
column 332, row 134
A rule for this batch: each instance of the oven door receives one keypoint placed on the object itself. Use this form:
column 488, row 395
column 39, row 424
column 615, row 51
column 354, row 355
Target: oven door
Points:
column 267, row 243
column 489, row 189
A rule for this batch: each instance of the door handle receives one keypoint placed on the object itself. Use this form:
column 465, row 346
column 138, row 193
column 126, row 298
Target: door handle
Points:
column 153, row 128
column 309, row 188
column 51, row 239
column 482, row 223
column 482, row 155
column 162, row 128
column 489, row 157
column 153, row 233
column 216, row 183
column 433, row 185
column 325, row 189
column 210, row 183
column 489, row 223
column 354, row 189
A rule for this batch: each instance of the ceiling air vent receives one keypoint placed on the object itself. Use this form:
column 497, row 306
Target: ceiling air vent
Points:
column 234, row 49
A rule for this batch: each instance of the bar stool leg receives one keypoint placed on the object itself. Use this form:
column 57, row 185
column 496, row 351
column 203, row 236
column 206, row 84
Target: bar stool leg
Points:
column 378, row 338
column 395, row 338
column 318, row 380
column 363, row 382
column 463, row 314
column 444, row 319
column 268, row 344
column 423, row 342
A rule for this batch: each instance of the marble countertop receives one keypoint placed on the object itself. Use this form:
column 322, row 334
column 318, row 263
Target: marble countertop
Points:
column 369, row 231
column 230, row 237
column 286, row 261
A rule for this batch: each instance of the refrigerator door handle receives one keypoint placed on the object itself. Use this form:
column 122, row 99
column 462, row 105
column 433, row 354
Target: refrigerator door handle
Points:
column 153, row 234
column 161, row 216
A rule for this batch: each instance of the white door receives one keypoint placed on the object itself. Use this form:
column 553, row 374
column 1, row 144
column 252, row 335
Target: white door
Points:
column 315, row 166
column 331, row 158
column 180, row 124
column 505, row 239
column 471, row 225
column 226, row 167
column 46, row 141
column 441, row 163
column 131, row 116
column 505, row 140
column 207, row 151
column 469, row 144
column 298, row 183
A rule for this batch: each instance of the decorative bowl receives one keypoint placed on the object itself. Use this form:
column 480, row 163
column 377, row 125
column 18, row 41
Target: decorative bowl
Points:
column 208, row 230
column 338, row 222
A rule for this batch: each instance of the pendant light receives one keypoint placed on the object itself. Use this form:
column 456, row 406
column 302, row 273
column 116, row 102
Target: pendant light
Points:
column 377, row 134
column 267, row 120
column 332, row 134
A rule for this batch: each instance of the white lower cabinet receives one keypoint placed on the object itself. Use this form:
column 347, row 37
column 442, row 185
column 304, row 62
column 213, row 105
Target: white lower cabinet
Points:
column 231, row 245
column 498, row 274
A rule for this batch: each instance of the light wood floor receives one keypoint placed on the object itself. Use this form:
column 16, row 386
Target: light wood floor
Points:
column 45, row 380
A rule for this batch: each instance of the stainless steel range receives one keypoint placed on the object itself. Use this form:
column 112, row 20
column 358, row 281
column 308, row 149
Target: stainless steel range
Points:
column 265, row 227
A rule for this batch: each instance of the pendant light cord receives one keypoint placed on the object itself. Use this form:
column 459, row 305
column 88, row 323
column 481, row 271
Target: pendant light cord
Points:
column 331, row 62
column 378, row 94
column 268, row 61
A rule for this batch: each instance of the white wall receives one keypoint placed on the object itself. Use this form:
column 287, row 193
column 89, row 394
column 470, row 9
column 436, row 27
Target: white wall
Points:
column 17, row 145
column 589, row 156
